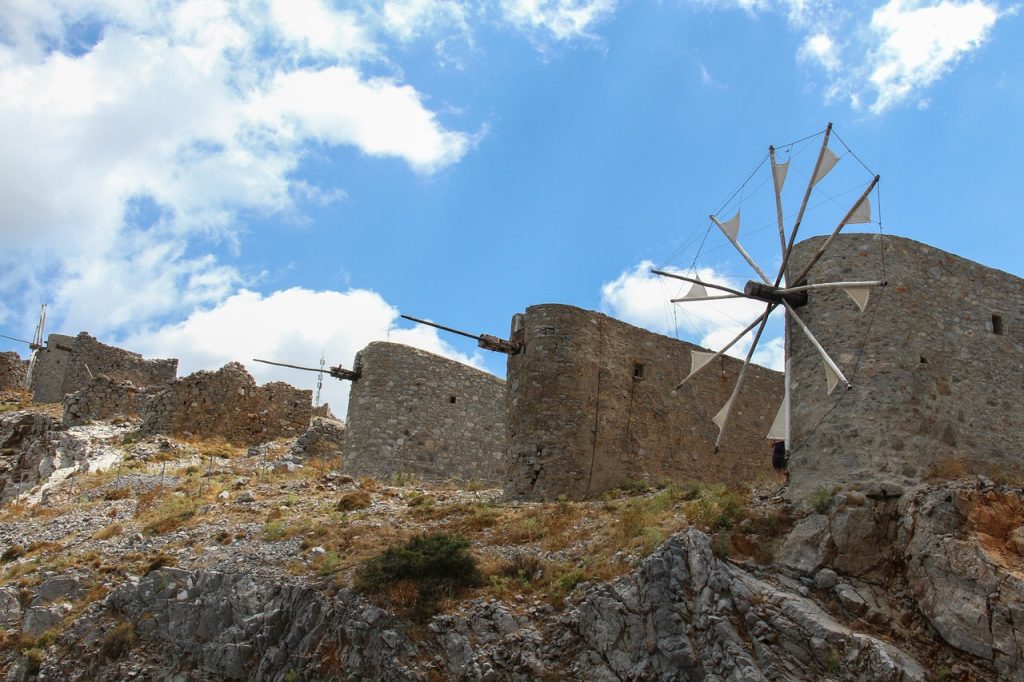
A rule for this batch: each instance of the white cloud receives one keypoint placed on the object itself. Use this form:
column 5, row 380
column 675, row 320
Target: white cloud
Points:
column 409, row 19
column 304, row 324
column 321, row 29
column 638, row 297
column 196, row 111
column 905, row 47
column 560, row 19
column 918, row 44
column 822, row 49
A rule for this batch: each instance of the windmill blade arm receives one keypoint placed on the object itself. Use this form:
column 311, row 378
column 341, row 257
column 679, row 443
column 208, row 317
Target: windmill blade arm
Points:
column 777, row 186
column 835, row 232
column 742, row 251
column 803, row 207
column 817, row 346
column 694, row 280
column 4, row 336
column 684, row 299
column 832, row 285
column 742, row 377
column 762, row 318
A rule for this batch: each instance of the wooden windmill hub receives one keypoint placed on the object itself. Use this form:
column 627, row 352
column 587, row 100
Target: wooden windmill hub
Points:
column 770, row 294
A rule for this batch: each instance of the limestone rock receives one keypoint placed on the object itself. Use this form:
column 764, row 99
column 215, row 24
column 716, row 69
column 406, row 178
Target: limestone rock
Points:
column 807, row 547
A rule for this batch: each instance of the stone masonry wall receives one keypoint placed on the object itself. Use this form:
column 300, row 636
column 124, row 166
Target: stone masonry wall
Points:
column 105, row 398
column 51, row 364
column 591, row 405
column 12, row 371
column 937, row 386
column 90, row 358
column 229, row 404
column 414, row 412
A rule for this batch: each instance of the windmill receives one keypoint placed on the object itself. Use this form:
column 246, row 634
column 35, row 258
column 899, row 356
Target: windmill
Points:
column 35, row 345
column 789, row 293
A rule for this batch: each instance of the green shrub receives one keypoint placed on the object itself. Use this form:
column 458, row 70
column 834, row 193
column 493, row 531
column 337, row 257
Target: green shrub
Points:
column 429, row 566
column 820, row 500
column 570, row 579
column 33, row 660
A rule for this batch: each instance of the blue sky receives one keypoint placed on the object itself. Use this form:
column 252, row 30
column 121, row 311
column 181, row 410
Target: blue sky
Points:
column 218, row 181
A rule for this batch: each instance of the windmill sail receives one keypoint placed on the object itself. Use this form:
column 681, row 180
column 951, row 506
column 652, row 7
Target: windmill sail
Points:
column 861, row 213
column 779, row 171
column 778, row 430
column 828, row 162
column 860, row 295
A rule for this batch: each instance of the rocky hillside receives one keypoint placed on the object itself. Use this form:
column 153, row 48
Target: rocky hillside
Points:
column 130, row 557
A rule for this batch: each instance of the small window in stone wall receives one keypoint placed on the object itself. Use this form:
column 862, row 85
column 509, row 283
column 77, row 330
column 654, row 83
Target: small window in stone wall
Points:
column 451, row 399
column 638, row 371
column 997, row 324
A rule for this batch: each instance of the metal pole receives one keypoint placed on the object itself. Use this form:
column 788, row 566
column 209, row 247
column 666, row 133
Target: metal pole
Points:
column 441, row 326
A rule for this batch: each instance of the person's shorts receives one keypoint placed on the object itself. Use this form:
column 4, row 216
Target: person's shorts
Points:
column 778, row 461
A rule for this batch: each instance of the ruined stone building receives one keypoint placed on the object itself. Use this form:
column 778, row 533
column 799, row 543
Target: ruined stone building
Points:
column 413, row 412
column 12, row 371
column 67, row 364
column 228, row 403
column 941, row 357
column 591, row 405
column 51, row 364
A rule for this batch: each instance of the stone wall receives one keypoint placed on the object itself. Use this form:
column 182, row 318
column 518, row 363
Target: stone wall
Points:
column 104, row 398
column 940, row 355
column 12, row 371
column 67, row 364
column 591, row 405
column 51, row 365
column 229, row 404
column 414, row 412
column 90, row 358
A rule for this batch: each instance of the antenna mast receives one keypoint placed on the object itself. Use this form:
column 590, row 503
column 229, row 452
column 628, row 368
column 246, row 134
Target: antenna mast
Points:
column 320, row 378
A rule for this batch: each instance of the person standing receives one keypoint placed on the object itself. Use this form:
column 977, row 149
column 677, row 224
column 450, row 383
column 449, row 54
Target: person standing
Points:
column 780, row 461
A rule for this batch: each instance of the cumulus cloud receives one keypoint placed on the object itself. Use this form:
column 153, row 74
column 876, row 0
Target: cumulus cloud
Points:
column 144, row 129
column 640, row 298
column 306, row 323
column 918, row 43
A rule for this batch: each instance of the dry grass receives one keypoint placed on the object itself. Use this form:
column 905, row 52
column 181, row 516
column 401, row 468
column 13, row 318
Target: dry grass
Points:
column 108, row 532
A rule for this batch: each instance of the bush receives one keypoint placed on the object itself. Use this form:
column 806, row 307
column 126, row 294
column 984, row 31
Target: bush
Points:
column 118, row 641
column 12, row 552
column 429, row 566
column 820, row 500
column 357, row 499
